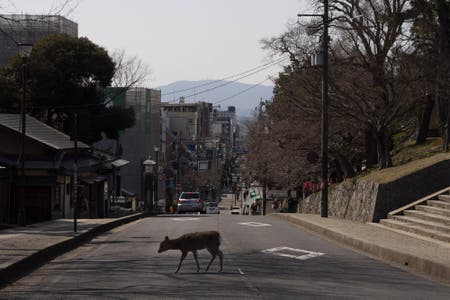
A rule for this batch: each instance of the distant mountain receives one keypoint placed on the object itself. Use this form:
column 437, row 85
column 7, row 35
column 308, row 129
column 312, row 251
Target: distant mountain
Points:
column 245, row 97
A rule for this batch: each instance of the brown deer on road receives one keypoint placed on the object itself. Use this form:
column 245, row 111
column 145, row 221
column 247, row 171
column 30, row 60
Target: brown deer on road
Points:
column 193, row 242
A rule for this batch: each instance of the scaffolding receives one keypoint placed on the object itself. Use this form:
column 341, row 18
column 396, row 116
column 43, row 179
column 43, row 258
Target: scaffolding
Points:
column 30, row 29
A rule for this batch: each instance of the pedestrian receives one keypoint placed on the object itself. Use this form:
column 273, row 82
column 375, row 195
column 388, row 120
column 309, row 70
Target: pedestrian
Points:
column 275, row 204
column 284, row 206
column 291, row 203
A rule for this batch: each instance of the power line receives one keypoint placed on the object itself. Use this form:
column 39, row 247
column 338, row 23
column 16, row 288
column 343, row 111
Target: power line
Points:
column 102, row 104
column 241, row 92
column 262, row 67
column 228, row 77
column 257, row 70
column 223, row 84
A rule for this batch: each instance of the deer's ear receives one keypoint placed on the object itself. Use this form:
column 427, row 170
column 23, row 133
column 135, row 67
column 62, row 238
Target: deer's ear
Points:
column 166, row 238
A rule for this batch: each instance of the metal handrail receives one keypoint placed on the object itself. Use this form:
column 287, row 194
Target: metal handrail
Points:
column 398, row 210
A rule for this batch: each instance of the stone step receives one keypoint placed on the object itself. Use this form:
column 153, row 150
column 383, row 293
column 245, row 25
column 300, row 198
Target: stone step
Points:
column 423, row 223
column 444, row 197
column 433, row 210
column 427, row 216
column 438, row 235
column 440, row 204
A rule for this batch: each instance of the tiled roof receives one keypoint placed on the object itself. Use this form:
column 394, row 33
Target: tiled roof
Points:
column 40, row 132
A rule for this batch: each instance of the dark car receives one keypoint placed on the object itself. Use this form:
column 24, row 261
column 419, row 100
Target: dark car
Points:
column 190, row 202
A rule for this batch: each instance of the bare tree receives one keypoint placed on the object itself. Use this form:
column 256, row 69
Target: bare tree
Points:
column 368, row 39
column 130, row 71
column 443, row 69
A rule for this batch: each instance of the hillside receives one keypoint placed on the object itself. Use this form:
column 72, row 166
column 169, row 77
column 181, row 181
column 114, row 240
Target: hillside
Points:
column 245, row 97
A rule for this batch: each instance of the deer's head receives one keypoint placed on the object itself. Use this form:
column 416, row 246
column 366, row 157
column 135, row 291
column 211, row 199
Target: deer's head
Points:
column 164, row 245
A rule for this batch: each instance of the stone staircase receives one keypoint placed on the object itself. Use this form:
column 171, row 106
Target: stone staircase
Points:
column 428, row 217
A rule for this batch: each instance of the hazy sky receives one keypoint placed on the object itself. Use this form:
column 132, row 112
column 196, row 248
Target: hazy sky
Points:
column 180, row 39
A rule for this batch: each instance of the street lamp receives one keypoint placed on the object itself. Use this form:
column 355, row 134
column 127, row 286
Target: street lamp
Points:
column 324, row 203
column 156, row 172
column 148, row 166
column 24, row 53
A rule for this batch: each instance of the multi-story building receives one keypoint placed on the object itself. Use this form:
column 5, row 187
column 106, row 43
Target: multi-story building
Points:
column 225, row 126
column 189, row 121
column 187, row 131
column 30, row 29
column 140, row 142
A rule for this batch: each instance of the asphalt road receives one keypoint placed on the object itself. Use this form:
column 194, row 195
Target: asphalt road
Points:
column 264, row 258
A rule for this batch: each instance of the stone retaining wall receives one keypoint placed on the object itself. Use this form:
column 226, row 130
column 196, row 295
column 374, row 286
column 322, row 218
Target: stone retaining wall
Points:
column 365, row 200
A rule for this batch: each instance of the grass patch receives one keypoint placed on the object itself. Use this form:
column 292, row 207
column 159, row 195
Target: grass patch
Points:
column 407, row 159
column 392, row 174
column 410, row 151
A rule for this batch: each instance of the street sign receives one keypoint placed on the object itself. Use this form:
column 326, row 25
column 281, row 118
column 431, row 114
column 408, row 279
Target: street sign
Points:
column 203, row 165
column 280, row 194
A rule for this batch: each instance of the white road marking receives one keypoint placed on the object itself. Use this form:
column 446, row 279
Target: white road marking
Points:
column 185, row 219
column 240, row 271
column 254, row 224
column 306, row 253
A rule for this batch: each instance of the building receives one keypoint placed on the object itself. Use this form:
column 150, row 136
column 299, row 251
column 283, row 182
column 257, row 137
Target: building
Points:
column 47, row 184
column 140, row 142
column 191, row 150
column 189, row 121
column 225, row 125
column 30, row 29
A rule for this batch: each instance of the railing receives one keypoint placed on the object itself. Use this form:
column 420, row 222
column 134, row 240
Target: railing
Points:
column 420, row 201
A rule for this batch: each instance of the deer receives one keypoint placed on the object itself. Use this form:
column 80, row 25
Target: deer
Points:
column 209, row 240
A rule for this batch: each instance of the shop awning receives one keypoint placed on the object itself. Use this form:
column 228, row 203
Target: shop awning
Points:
column 92, row 179
column 118, row 163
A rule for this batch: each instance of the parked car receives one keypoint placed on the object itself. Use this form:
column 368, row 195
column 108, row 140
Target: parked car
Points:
column 190, row 202
column 212, row 208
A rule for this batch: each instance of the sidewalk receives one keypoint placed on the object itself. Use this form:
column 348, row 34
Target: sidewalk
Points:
column 424, row 256
column 23, row 249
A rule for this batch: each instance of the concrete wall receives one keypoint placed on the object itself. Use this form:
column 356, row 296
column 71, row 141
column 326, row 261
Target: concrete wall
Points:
column 366, row 200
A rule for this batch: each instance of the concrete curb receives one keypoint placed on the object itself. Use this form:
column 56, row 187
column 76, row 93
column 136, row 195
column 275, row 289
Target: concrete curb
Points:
column 427, row 267
column 24, row 266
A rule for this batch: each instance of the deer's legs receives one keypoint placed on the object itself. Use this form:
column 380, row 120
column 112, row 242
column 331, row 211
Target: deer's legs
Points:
column 194, row 252
column 183, row 256
column 221, row 258
column 214, row 252
column 212, row 258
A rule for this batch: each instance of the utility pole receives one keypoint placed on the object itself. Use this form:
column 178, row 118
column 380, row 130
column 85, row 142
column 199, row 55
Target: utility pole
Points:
column 324, row 148
column 324, row 204
column 22, row 211
column 143, row 197
column 264, row 199
column 24, row 53
column 156, row 175
column 75, row 173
